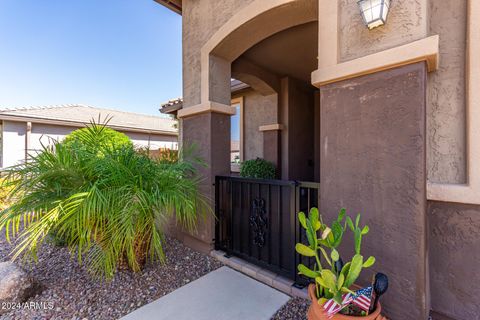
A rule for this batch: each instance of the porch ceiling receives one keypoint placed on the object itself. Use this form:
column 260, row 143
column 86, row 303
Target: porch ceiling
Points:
column 292, row 52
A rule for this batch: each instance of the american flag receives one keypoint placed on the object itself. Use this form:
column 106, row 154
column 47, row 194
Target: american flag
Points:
column 332, row 307
column 363, row 298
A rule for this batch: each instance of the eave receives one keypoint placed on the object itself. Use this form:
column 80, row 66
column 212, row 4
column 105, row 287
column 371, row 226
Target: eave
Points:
column 80, row 124
column 174, row 5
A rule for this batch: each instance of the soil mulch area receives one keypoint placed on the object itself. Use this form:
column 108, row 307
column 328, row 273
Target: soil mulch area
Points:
column 76, row 295
column 294, row 309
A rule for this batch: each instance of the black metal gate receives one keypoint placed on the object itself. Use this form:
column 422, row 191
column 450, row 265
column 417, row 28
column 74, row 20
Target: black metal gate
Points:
column 257, row 220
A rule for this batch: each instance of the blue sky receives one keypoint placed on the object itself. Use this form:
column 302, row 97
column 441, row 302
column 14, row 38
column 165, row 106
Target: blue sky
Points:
column 120, row 54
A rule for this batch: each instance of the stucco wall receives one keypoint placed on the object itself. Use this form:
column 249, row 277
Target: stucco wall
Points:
column 258, row 111
column 412, row 20
column 13, row 142
column 152, row 141
column 45, row 134
column 201, row 19
column 454, row 253
column 406, row 23
column 446, row 94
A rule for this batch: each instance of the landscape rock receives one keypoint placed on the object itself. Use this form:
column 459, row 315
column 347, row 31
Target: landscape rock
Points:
column 16, row 286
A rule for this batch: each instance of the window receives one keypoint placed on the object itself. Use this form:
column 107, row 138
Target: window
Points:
column 236, row 135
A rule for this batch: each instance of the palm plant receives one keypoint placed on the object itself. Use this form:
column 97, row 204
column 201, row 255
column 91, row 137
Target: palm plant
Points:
column 109, row 205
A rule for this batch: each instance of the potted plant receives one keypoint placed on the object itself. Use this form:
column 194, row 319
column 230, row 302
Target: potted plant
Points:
column 334, row 293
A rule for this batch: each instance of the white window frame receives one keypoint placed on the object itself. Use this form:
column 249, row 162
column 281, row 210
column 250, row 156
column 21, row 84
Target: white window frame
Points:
column 239, row 101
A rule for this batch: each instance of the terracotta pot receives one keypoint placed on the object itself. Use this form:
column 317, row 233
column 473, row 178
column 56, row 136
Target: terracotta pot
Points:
column 316, row 311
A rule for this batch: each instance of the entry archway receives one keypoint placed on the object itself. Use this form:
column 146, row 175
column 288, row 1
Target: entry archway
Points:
column 207, row 124
column 254, row 23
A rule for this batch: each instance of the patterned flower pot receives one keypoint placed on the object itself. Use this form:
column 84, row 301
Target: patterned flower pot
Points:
column 316, row 311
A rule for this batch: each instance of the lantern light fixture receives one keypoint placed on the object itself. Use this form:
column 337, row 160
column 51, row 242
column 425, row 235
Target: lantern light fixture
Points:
column 374, row 12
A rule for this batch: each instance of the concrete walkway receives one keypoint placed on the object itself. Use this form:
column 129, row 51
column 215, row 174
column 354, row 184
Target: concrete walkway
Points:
column 223, row 294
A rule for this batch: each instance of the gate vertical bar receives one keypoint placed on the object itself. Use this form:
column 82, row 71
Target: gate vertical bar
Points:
column 296, row 257
column 218, row 214
column 229, row 184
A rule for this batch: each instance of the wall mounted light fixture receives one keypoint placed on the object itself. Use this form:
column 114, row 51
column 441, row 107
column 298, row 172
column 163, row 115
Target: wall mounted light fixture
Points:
column 374, row 12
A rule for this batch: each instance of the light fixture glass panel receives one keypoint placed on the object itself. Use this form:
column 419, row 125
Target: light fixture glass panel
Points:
column 385, row 10
column 374, row 12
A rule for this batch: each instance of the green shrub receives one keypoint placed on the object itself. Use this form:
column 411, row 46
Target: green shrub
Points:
column 105, row 138
column 107, row 203
column 258, row 169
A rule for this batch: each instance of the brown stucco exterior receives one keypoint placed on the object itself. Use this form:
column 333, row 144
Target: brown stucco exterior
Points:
column 409, row 21
column 454, row 255
column 382, row 142
column 373, row 162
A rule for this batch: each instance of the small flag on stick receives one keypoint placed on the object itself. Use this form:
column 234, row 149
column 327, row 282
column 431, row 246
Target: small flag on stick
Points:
column 363, row 298
column 332, row 307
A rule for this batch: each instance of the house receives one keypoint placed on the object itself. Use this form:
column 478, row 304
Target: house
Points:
column 24, row 130
column 381, row 121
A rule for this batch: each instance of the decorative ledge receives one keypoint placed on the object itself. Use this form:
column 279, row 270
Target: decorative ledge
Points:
column 460, row 193
column 206, row 107
column 271, row 127
column 422, row 50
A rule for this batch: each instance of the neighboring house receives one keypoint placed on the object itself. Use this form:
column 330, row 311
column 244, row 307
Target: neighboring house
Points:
column 24, row 130
column 384, row 122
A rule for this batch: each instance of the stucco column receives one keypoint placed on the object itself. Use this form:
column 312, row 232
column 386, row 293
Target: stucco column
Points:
column 206, row 128
column 373, row 151
column 209, row 133
column 271, row 144
column 296, row 114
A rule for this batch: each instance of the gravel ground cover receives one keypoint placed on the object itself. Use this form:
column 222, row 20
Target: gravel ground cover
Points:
column 294, row 309
column 76, row 295
column 72, row 293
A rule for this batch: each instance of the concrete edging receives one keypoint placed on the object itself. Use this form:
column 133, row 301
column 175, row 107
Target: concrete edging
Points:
column 262, row 275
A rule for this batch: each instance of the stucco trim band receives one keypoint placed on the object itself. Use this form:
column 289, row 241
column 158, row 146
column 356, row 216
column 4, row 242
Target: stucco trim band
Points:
column 271, row 127
column 470, row 192
column 422, row 50
column 206, row 107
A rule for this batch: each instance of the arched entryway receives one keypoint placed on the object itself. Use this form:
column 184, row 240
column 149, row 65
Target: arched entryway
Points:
column 207, row 124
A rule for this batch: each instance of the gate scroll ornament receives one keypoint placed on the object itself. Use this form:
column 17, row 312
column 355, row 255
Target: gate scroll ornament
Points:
column 258, row 221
